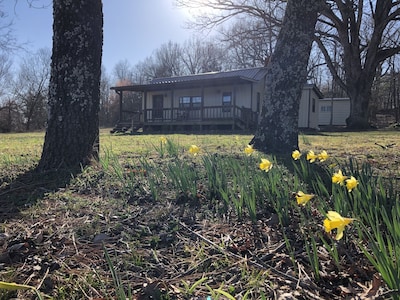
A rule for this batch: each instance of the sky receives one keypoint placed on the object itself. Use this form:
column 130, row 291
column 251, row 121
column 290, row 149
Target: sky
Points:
column 133, row 29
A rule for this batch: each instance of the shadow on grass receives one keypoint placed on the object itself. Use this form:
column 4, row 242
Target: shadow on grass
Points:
column 28, row 188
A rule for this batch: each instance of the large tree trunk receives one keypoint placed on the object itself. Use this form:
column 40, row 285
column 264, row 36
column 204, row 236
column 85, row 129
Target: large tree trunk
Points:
column 277, row 130
column 360, row 95
column 72, row 136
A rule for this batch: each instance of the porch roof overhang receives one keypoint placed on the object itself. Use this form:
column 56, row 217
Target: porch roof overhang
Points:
column 171, row 85
column 211, row 79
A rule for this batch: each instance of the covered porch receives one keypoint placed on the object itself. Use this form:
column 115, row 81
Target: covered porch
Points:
column 191, row 103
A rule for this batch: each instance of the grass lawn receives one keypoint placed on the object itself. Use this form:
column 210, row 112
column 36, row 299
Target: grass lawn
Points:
column 153, row 221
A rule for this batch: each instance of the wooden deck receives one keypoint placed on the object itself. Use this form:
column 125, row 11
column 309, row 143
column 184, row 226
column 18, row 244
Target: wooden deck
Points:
column 185, row 119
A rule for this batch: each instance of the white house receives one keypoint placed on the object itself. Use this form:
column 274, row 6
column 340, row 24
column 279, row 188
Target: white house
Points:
column 216, row 100
column 333, row 111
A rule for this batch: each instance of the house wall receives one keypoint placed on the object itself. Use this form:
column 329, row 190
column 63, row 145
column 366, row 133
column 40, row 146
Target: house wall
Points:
column 308, row 110
column 243, row 95
column 333, row 111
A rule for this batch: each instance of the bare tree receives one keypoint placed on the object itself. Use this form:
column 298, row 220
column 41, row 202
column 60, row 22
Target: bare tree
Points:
column 72, row 135
column 248, row 44
column 277, row 131
column 31, row 88
column 8, row 41
column 220, row 11
column 105, row 114
column 164, row 62
column 10, row 116
column 5, row 74
column 368, row 33
column 123, row 71
column 200, row 56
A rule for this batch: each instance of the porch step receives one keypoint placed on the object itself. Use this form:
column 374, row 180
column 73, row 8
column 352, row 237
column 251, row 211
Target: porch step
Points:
column 121, row 127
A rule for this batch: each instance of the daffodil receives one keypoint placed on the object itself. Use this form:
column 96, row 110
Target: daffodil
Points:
column 335, row 221
column 351, row 183
column 163, row 140
column 302, row 198
column 265, row 164
column 338, row 177
column 194, row 150
column 323, row 156
column 311, row 156
column 296, row 154
column 249, row 150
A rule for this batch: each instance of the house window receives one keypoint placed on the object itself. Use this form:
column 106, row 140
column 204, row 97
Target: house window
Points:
column 196, row 102
column 313, row 105
column 326, row 108
column 226, row 101
column 184, row 102
column 190, row 102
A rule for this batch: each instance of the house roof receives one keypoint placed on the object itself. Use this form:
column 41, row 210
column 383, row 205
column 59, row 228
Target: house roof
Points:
column 199, row 80
column 313, row 87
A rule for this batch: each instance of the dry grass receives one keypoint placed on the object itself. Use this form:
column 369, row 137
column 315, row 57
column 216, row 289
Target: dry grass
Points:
column 52, row 236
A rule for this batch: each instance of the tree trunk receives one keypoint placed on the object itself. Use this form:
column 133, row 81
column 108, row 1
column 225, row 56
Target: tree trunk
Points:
column 72, row 136
column 360, row 95
column 277, row 130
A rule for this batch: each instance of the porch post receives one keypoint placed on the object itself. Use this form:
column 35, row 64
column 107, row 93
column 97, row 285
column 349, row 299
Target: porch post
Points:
column 202, row 108
column 172, row 110
column 234, row 106
column 145, row 107
column 119, row 93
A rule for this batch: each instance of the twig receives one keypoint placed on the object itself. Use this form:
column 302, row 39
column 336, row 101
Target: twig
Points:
column 44, row 277
column 73, row 241
column 259, row 264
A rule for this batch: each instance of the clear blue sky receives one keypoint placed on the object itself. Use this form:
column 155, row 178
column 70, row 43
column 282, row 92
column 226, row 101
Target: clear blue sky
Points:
column 132, row 28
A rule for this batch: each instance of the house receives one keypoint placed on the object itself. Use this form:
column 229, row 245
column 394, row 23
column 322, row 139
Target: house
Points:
column 217, row 100
column 333, row 111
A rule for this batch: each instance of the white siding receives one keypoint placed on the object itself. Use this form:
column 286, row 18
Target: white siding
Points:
column 333, row 111
column 308, row 113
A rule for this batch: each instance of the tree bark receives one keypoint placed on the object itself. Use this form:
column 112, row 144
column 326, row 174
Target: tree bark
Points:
column 277, row 130
column 72, row 135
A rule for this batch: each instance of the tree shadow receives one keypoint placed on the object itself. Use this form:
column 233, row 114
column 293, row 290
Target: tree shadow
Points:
column 28, row 188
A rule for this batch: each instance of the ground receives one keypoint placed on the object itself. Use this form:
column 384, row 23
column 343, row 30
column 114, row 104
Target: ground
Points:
column 83, row 236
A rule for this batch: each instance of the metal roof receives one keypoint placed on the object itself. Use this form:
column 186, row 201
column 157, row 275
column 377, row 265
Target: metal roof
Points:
column 197, row 80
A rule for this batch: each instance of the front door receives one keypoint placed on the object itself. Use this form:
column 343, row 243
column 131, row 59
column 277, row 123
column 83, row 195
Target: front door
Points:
column 158, row 105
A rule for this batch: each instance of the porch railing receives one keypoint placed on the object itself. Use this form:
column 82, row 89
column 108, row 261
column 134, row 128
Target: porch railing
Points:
column 207, row 113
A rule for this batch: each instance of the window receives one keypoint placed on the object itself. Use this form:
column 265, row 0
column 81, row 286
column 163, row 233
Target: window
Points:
column 313, row 105
column 326, row 108
column 184, row 102
column 196, row 102
column 226, row 101
column 190, row 102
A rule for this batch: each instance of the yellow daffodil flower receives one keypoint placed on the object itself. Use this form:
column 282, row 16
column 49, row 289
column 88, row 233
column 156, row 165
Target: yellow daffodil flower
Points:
column 296, row 154
column 265, row 164
column 338, row 177
column 194, row 150
column 249, row 150
column 335, row 221
column 351, row 183
column 163, row 140
column 311, row 156
column 323, row 156
column 302, row 198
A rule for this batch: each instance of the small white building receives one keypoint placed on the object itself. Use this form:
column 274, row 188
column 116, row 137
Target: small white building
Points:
column 308, row 110
column 333, row 111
